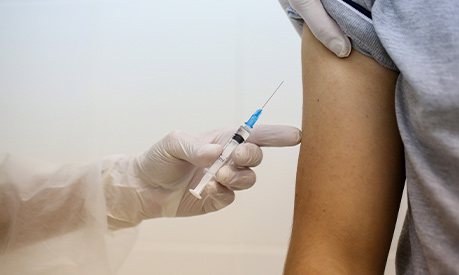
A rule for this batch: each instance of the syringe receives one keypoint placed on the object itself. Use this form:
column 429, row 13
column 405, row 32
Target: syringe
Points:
column 239, row 137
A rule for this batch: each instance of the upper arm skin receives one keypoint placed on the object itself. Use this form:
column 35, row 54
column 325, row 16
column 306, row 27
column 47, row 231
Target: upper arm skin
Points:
column 351, row 167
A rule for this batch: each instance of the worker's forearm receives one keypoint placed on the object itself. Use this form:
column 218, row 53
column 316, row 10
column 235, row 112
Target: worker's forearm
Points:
column 350, row 171
column 41, row 200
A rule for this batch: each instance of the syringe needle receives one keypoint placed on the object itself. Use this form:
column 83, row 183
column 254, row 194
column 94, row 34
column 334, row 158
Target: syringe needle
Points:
column 272, row 94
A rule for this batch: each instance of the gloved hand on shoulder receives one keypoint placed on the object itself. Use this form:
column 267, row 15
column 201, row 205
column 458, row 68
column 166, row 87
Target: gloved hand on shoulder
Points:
column 319, row 22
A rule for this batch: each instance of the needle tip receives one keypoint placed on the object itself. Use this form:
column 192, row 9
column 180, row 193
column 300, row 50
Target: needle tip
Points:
column 272, row 94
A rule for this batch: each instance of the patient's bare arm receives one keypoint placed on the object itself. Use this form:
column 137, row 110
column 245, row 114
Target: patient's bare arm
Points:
column 351, row 167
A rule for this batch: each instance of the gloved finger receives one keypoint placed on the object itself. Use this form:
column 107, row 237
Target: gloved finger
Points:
column 296, row 22
column 323, row 26
column 247, row 154
column 284, row 4
column 275, row 136
column 220, row 196
column 236, row 178
column 186, row 147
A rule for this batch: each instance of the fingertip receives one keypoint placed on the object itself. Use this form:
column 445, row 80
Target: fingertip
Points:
column 248, row 154
column 345, row 53
column 341, row 46
column 297, row 136
column 292, row 136
column 235, row 178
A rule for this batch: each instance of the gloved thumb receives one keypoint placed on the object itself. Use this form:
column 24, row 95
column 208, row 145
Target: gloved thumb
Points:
column 323, row 26
column 187, row 147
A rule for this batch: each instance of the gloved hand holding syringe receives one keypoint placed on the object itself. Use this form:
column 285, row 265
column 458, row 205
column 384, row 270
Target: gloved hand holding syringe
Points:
column 239, row 137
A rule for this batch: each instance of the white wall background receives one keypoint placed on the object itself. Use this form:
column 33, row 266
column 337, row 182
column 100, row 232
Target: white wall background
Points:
column 83, row 79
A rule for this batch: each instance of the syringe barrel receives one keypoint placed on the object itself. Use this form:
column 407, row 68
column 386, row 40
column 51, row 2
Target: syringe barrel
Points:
column 239, row 137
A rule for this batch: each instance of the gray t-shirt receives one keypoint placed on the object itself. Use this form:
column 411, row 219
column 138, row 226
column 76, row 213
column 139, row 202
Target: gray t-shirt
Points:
column 421, row 40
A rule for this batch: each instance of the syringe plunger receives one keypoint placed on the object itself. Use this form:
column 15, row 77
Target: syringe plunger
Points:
column 239, row 137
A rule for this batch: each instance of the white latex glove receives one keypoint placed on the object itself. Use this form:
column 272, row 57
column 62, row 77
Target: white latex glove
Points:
column 320, row 23
column 54, row 217
column 156, row 183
